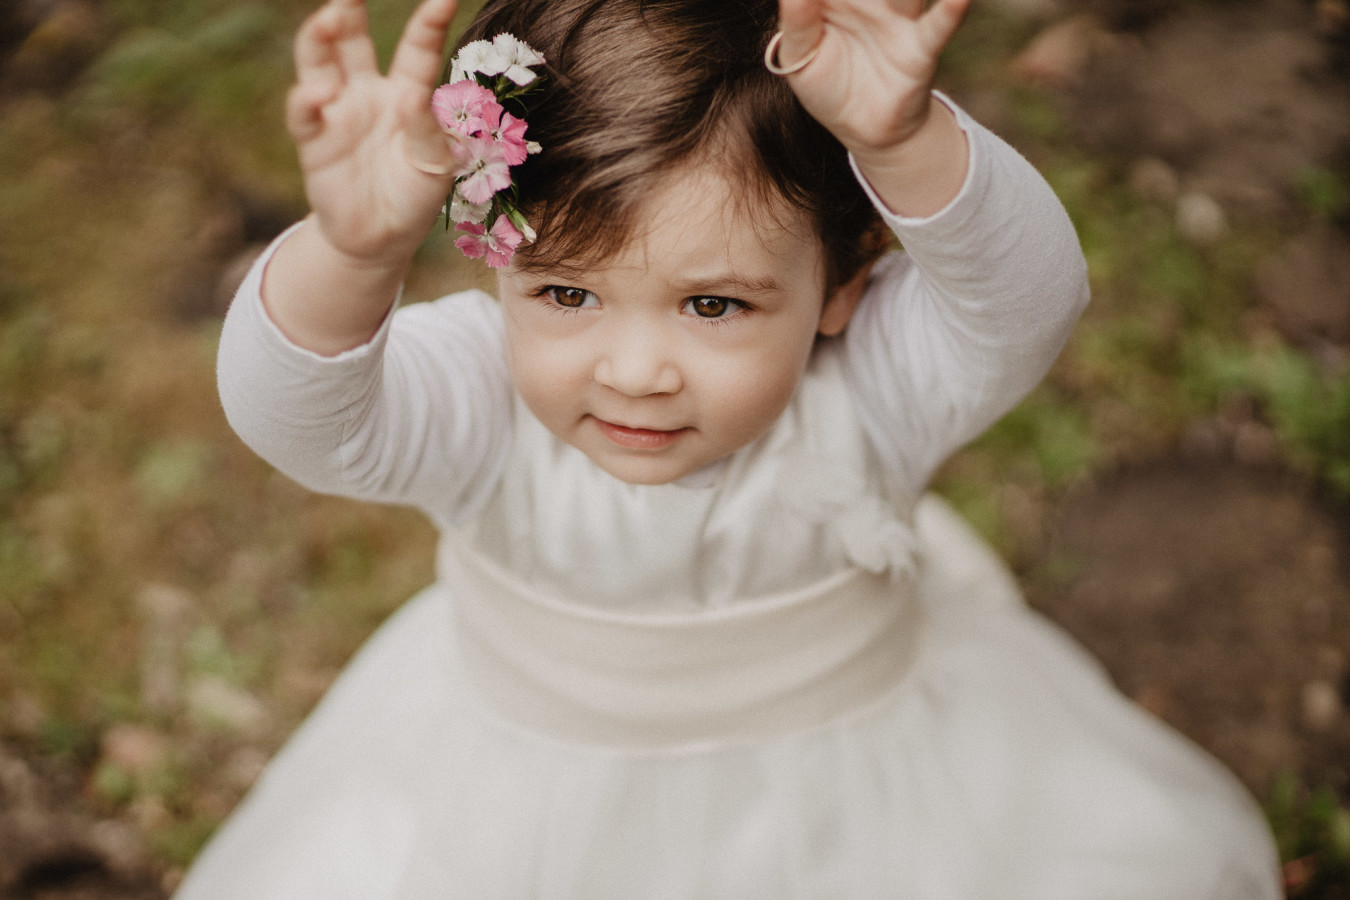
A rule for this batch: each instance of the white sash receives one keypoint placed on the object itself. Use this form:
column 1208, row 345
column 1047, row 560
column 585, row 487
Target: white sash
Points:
column 762, row 667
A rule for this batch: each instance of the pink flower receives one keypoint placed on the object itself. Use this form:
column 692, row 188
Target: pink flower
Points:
column 498, row 245
column 509, row 133
column 488, row 172
column 465, row 107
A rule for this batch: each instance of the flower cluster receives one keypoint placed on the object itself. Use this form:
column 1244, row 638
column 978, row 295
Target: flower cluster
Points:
column 484, row 77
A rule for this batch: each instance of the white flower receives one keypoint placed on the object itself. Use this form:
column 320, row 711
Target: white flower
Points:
column 532, row 147
column 528, row 232
column 517, row 57
column 478, row 57
column 462, row 210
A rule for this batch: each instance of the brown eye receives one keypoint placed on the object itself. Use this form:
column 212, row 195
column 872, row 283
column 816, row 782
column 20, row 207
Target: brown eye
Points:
column 570, row 297
column 710, row 307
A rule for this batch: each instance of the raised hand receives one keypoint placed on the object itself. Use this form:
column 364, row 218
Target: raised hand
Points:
column 377, row 167
column 870, row 80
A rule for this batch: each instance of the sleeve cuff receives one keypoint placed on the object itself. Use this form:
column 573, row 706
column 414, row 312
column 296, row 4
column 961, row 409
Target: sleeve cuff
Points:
column 964, row 197
column 276, row 342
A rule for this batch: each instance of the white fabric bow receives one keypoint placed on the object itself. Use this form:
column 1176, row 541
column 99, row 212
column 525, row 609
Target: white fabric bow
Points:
column 871, row 532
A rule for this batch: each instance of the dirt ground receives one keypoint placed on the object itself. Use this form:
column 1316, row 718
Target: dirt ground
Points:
column 1217, row 595
column 1215, row 587
column 1213, row 584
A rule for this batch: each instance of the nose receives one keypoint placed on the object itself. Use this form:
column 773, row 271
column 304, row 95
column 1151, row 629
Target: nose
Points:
column 637, row 359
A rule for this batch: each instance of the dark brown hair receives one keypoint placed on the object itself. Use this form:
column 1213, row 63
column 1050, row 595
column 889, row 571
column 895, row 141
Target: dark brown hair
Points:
column 634, row 88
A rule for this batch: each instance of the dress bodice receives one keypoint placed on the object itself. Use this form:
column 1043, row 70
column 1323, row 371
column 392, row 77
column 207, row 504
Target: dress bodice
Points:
column 802, row 503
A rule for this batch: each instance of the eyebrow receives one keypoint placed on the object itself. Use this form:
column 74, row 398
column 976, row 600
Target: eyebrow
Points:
column 718, row 283
column 763, row 284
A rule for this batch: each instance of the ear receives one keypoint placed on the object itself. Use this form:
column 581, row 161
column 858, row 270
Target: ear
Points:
column 839, row 306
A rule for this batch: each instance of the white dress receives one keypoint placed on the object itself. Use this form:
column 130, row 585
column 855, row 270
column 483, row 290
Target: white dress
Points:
column 789, row 675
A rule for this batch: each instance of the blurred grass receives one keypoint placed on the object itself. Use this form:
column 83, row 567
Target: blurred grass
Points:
column 119, row 477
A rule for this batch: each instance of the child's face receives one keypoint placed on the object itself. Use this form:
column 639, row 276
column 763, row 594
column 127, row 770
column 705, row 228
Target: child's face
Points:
column 683, row 347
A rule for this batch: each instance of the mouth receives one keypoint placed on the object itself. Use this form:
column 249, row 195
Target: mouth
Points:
column 639, row 438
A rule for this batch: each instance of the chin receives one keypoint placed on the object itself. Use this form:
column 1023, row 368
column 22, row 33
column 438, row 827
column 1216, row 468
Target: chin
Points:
column 637, row 470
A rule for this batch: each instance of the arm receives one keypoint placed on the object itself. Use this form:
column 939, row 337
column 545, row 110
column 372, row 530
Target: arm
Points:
column 952, row 334
column 314, row 371
column 950, row 337
column 870, row 83
column 367, row 144
column 419, row 415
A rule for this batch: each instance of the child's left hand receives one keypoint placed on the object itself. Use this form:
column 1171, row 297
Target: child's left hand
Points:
column 870, row 82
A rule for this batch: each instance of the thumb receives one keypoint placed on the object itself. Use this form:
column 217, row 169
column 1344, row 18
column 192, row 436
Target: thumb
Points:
column 427, row 147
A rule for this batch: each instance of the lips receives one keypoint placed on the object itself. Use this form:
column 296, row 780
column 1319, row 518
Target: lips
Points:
column 639, row 438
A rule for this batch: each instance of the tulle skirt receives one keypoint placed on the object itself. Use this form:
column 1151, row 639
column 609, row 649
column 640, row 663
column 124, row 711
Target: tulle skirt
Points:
column 1002, row 765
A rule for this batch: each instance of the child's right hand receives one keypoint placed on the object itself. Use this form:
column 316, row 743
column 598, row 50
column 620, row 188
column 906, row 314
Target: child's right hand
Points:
column 368, row 143
column 368, row 147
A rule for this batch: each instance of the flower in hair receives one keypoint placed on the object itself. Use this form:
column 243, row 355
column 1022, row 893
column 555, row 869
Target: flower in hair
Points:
column 520, row 58
column 503, row 55
column 488, row 172
column 508, row 133
column 462, row 210
column 459, row 106
column 498, row 243
column 487, row 77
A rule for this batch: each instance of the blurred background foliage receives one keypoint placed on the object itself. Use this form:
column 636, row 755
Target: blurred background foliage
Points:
column 169, row 607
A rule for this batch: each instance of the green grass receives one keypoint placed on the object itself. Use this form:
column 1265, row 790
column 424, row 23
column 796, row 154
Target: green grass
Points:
column 1312, row 831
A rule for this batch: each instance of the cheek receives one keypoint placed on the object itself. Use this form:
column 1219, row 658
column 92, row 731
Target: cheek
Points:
column 546, row 372
column 751, row 390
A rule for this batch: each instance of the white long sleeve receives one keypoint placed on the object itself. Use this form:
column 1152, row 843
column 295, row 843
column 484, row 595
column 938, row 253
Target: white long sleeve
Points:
column 420, row 415
column 953, row 334
column 946, row 339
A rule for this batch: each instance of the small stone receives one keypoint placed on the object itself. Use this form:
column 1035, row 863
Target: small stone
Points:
column 165, row 613
column 1058, row 55
column 1320, row 556
column 1307, row 286
column 1321, row 705
column 244, row 767
column 19, row 786
column 119, row 845
column 150, row 813
column 1200, row 218
column 134, row 749
column 216, row 702
column 1254, row 444
column 1154, row 180
column 1331, row 657
column 26, row 715
column 1203, row 439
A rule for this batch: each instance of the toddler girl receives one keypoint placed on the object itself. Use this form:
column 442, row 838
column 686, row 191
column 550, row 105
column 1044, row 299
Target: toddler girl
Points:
column 696, row 631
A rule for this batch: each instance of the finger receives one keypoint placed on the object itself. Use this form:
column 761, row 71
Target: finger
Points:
column 316, row 56
column 426, row 147
column 354, row 46
column 304, row 108
column 939, row 23
column 419, row 52
column 803, row 25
